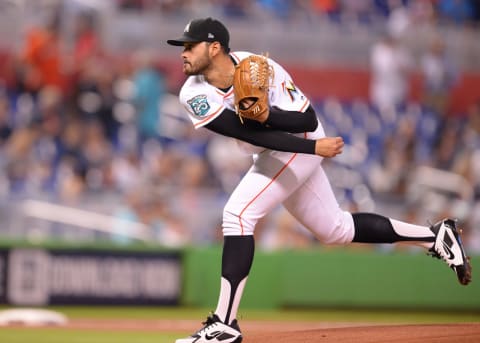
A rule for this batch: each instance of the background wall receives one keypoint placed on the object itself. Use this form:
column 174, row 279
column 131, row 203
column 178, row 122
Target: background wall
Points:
column 334, row 278
column 358, row 278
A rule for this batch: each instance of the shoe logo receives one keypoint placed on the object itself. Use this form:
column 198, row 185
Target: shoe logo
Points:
column 214, row 335
column 219, row 335
column 449, row 251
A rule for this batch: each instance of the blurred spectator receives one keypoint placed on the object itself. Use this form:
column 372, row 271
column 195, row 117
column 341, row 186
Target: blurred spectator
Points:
column 193, row 172
column 129, row 211
column 136, row 5
column 126, row 171
column 384, row 7
column 390, row 65
column 459, row 12
column 448, row 146
column 354, row 11
column 42, row 56
column 392, row 171
column 168, row 228
column 71, row 183
column 229, row 163
column 94, row 98
column 143, row 205
column 474, row 120
column 86, row 41
column 236, row 8
column 98, row 152
column 72, row 140
column 440, row 75
column 471, row 166
column 149, row 90
column 19, row 158
column 278, row 8
column 423, row 13
column 5, row 120
column 325, row 6
column 170, row 7
column 399, row 20
column 476, row 11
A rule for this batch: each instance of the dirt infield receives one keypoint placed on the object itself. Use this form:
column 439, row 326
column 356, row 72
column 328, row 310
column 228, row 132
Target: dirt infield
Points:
column 459, row 333
column 296, row 332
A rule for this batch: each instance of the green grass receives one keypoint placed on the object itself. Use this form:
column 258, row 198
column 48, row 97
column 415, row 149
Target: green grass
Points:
column 330, row 315
column 51, row 335
column 292, row 314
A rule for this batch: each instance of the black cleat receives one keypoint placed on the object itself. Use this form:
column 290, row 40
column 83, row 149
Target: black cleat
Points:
column 448, row 246
column 215, row 331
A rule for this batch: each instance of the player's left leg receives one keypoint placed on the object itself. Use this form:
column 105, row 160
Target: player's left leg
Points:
column 441, row 239
column 272, row 178
column 315, row 206
column 375, row 228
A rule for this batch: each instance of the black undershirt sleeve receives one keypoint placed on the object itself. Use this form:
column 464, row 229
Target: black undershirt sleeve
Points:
column 292, row 121
column 228, row 124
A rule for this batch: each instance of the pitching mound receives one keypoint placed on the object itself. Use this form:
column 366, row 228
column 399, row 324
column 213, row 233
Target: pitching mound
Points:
column 458, row 333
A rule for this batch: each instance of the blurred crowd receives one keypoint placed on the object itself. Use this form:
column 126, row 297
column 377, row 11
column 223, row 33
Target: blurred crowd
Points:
column 80, row 128
column 361, row 11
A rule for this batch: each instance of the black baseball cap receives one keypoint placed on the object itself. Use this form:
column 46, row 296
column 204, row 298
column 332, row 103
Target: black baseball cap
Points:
column 203, row 30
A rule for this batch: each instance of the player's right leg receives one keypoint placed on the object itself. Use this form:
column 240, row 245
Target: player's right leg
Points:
column 274, row 176
column 222, row 325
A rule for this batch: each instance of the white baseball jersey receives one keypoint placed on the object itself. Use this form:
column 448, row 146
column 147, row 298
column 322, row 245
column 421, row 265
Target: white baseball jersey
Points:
column 204, row 102
column 297, row 181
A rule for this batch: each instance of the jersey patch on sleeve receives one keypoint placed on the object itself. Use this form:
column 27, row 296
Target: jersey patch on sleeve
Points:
column 199, row 105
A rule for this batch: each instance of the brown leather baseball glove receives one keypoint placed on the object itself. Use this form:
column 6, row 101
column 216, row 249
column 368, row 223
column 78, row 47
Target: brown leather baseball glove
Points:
column 250, row 86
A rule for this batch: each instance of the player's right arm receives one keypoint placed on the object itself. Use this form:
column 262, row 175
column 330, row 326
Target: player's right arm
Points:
column 251, row 131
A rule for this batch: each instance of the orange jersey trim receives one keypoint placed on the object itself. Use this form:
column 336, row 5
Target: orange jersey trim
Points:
column 263, row 190
column 307, row 102
column 235, row 57
column 225, row 95
column 206, row 119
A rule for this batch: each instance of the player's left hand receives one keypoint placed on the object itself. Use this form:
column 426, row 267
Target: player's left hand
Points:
column 329, row 146
column 251, row 81
column 246, row 103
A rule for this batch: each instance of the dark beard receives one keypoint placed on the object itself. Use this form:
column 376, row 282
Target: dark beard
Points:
column 200, row 67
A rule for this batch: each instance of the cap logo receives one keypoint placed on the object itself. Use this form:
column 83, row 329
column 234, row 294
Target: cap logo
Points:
column 210, row 35
column 187, row 28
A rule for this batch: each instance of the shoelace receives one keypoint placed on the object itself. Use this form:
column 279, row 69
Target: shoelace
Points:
column 209, row 322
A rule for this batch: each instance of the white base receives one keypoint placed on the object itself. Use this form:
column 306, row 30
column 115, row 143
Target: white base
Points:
column 31, row 317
